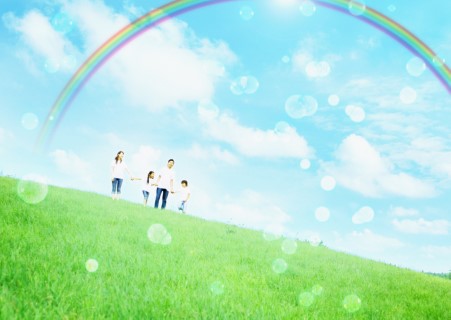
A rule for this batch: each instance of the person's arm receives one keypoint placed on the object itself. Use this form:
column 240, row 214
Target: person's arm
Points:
column 129, row 173
column 172, row 185
column 112, row 171
column 188, row 196
column 158, row 180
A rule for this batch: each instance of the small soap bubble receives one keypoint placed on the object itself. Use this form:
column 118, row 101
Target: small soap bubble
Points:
column 289, row 246
column 282, row 127
column 62, row 23
column 356, row 8
column 32, row 188
column 307, row 8
column 217, row 288
column 279, row 266
column 244, row 84
column 30, row 121
column 285, row 59
column 91, row 265
column 298, row 106
column 157, row 233
column 355, row 113
column 207, row 110
column 408, row 95
column 305, row 164
column 363, row 215
column 317, row 290
column 69, row 62
column 246, row 13
column 314, row 240
column 306, row 299
column 322, row 214
column 51, row 66
column 392, row 8
column 439, row 62
column 352, row 303
column 272, row 232
column 328, row 183
column 316, row 69
column 415, row 67
column 333, row 100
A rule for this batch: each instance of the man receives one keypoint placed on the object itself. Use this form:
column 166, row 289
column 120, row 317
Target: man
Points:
column 165, row 183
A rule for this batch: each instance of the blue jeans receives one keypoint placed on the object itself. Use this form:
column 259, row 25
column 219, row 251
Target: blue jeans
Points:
column 182, row 206
column 117, row 184
column 158, row 195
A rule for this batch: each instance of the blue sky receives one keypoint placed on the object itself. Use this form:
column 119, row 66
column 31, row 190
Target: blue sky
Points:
column 345, row 138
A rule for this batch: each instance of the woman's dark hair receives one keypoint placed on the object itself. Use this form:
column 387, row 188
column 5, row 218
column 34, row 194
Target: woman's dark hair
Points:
column 185, row 182
column 117, row 156
column 150, row 172
column 171, row 160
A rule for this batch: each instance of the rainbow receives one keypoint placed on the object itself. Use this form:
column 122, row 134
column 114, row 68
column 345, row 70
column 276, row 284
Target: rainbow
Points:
column 179, row 7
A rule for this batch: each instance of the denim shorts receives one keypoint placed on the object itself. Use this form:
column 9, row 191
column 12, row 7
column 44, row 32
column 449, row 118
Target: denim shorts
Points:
column 146, row 194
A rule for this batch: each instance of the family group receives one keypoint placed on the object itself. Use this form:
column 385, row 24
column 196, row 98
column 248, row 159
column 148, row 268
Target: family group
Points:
column 163, row 185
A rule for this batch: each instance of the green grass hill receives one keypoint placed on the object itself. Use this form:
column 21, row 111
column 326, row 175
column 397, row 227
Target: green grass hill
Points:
column 79, row 255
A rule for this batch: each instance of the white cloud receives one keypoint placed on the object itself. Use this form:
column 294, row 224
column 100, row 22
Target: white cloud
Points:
column 422, row 226
column 428, row 152
column 361, row 168
column 212, row 153
column 255, row 142
column 403, row 212
column 72, row 165
column 39, row 35
column 366, row 243
column 250, row 209
column 432, row 252
column 145, row 160
column 163, row 67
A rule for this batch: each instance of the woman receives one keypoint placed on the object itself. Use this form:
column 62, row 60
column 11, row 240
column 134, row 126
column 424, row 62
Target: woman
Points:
column 118, row 167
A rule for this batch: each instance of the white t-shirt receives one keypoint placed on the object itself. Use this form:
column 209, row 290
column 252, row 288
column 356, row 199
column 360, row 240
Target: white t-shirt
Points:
column 148, row 186
column 184, row 192
column 118, row 169
column 166, row 176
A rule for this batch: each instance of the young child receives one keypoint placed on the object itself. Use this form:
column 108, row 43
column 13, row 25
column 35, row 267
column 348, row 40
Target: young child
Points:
column 185, row 194
column 148, row 186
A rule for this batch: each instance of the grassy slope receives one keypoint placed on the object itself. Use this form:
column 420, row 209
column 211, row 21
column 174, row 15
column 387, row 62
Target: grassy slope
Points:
column 44, row 248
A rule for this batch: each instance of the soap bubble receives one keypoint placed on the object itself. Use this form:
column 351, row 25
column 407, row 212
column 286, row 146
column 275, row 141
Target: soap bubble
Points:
column 415, row 67
column 352, row 303
column 285, row 59
column 282, row 127
column 305, row 164
column 246, row 13
column 356, row 8
column 355, row 113
column 298, row 106
column 328, row 183
column 244, row 84
column 32, row 189
column 279, row 266
column 289, row 246
column 306, row 299
column 30, row 121
column 363, row 215
column 307, row 8
column 333, row 100
column 51, row 66
column 62, row 23
column 408, row 95
column 217, row 288
column 322, row 214
column 91, row 265
column 157, row 233
column 317, row 290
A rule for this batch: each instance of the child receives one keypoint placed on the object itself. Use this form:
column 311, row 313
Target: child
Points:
column 185, row 194
column 147, row 186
